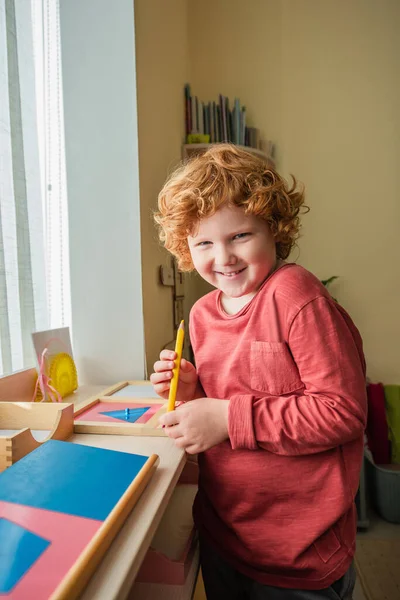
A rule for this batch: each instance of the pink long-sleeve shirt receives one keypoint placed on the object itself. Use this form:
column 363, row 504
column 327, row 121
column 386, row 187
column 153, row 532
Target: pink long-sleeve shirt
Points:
column 277, row 498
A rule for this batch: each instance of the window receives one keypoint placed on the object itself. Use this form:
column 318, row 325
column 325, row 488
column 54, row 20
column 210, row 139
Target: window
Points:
column 34, row 254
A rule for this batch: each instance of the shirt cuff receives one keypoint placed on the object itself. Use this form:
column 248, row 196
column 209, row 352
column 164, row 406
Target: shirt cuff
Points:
column 240, row 423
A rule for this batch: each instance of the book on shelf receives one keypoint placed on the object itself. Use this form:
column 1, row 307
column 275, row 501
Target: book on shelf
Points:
column 212, row 122
column 188, row 109
column 193, row 127
column 243, row 125
column 221, row 123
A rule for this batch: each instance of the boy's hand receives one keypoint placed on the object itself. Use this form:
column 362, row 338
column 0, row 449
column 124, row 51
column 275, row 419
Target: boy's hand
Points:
column 161, row 378
column 198, row 425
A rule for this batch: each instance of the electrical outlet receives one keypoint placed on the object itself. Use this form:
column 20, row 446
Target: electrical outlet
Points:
column 167, row 275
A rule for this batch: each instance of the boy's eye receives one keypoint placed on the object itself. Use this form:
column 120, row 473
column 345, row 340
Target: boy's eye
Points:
column 240, row 236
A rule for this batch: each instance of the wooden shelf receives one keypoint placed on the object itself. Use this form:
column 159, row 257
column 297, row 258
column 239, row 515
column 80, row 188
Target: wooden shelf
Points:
column 190, row 149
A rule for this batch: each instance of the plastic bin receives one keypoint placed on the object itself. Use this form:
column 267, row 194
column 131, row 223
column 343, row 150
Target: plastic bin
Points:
column 384, row 489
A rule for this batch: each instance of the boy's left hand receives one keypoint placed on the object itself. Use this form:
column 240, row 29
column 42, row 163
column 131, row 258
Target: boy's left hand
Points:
column 198, row 425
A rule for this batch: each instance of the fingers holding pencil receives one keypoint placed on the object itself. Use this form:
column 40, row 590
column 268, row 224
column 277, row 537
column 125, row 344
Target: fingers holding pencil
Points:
column 163, row 374
column 176, row 370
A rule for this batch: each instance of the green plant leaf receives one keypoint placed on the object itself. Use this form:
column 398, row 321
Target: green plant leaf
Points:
column 326, row 282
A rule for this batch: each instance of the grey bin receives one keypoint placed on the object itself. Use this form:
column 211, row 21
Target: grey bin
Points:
column 384, row 490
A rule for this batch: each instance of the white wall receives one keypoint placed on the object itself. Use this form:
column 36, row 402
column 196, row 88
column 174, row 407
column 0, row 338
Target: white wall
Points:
column 98, row 59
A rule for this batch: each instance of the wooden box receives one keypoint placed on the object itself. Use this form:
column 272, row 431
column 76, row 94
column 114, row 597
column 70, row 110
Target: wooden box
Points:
column 24, row 426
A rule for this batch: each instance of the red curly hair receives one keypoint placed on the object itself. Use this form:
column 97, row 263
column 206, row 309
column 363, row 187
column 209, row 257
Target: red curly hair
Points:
column 227, row 174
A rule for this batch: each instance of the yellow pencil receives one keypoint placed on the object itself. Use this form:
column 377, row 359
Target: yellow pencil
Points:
column 175, row 373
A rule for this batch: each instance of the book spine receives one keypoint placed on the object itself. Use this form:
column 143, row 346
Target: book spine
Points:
column 193, row 119
column 211, row 113
column 237, row 119
column 201, row 117
column 187, row 110
column 244, row 126
column 224, row 130
column 228, row 120
column 215, row 118
column 234, row 129
column 219, row 123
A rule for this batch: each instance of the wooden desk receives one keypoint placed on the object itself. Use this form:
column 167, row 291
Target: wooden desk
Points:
column 118, row 569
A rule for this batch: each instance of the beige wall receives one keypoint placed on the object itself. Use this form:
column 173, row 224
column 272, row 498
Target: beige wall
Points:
column 162, row 71
column 321, row 80
column 239, row 55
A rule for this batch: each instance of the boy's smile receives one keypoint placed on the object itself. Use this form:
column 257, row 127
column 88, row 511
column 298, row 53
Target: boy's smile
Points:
column 234, row 252
column 230, row 274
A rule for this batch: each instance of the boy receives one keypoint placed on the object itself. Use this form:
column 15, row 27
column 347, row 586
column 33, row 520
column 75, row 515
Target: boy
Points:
column 276, row 405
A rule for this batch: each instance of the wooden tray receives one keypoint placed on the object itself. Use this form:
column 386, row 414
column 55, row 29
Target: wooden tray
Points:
column 60, row 507
column 19, row 419
column 144, row 411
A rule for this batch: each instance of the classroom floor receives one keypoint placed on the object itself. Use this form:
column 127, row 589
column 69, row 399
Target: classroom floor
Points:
column 378, row 529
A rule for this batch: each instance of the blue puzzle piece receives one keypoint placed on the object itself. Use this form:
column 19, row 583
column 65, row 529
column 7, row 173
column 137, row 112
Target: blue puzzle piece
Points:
column 129, row 415
column 19, row 549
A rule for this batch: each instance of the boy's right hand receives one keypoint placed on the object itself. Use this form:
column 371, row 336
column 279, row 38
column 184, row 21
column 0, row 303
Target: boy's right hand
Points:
column 161, row 378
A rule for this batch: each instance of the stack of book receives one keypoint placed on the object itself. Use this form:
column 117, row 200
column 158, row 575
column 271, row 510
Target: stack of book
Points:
column 215, row 122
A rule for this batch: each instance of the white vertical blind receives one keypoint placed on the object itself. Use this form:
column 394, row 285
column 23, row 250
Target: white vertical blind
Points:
column 34, row 269
column 47, row 50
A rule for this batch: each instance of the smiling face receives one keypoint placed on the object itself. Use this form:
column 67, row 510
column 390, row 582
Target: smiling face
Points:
column 234, row 252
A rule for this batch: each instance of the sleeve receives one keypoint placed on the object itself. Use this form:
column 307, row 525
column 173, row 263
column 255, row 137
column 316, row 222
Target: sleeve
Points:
column 331, row 409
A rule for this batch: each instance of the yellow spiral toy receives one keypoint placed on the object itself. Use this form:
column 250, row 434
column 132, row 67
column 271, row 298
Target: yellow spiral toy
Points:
column 62, row 373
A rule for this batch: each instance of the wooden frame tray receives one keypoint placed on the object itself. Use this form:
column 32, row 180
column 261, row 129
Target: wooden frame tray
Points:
column 64, row 515
column 19, row 419
column 144, row 411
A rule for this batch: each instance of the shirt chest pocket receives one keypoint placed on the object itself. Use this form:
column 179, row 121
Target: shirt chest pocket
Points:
column 272, row 369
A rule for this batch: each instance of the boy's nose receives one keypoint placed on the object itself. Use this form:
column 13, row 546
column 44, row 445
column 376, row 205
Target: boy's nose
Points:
column 223, row 256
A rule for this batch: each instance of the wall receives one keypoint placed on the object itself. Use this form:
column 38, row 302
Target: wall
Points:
column 98, row 61
column 342, row 137
column 242, row 57
column 162, row 70
column 320, row 79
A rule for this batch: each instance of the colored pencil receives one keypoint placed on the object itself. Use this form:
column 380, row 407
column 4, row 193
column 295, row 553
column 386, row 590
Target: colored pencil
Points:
column 175, row 373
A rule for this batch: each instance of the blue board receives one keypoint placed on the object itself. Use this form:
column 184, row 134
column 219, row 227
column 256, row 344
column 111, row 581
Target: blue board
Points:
column 53, row 504
column 71, row 478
